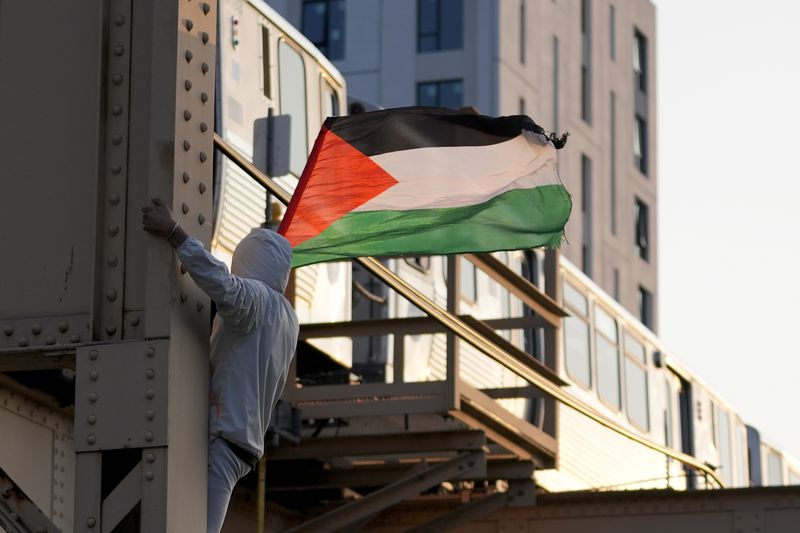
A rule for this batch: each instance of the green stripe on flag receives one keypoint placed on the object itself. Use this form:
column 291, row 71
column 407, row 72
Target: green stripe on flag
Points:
column 516, row 219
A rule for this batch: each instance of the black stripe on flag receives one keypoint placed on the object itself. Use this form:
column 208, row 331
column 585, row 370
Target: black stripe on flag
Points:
column 405, row 128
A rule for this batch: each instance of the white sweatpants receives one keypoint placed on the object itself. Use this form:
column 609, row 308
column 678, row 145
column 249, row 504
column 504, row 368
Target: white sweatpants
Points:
column 224, row 470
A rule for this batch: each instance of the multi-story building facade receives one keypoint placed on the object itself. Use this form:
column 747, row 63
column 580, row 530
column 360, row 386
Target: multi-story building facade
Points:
column 581, row 66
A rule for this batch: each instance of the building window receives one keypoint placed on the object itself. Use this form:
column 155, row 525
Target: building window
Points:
column 522, row 107
column 616, row 284
column 576, row 336
column 607, row 346
column 636, row 397
column 612, row 32
column 292, row 81
column 323, row 24
column 646, row 307
column 586, row 214
column 640, row 143
column 586, row 61
column 441, row 94
column 439, row 25
column 640, row 61
column 641, row 229
column 522, row 31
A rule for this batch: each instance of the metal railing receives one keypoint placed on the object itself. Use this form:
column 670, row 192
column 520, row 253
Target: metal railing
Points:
column 461, row 329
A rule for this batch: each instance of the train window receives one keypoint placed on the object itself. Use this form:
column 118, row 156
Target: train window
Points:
column 265, row 71
column 635, row 349
column 668, row 414
column 774, row 469
column 576, row 340
column 330, row 100
column 293, row 103
column 606, row 346
column 575, row 299
column 605, row 324
column 576, row 336
column 741, row 457
column 724, row 445
column 420, row 262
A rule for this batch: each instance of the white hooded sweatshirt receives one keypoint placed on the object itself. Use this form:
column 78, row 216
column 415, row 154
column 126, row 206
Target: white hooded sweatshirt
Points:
column 254, row 335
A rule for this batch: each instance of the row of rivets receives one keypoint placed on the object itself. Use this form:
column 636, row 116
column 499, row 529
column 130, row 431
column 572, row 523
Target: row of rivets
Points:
column 203, row 126
column 118, row 93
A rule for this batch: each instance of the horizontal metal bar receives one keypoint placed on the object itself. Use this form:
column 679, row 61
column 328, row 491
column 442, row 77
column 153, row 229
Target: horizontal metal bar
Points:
column 386, row 444
column 462, row 330
column 374, row 407
column 530, row 294
column 287, row 476
column 513, row 392
column 367, row 391
column 519, row 493
column 410, row 485
column 420, row 325
column 486, row 410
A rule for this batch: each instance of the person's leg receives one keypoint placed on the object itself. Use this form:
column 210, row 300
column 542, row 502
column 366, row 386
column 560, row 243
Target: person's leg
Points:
column 224, row 470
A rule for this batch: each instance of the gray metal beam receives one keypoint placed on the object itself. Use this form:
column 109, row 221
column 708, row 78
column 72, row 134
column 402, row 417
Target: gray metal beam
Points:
column 122, row 499
column 389, row 444
column 18, row 514
column 520, row 287
column 518, row 493
column 409, row 485
column 285, row 476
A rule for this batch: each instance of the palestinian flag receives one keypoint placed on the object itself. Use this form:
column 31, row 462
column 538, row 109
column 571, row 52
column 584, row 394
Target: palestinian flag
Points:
column 426, row 181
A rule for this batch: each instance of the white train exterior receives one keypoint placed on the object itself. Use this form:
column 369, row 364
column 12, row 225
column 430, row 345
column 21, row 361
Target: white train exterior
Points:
column 610, row 360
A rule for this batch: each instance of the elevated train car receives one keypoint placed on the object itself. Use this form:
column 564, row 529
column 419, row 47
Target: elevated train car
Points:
column 611, row 361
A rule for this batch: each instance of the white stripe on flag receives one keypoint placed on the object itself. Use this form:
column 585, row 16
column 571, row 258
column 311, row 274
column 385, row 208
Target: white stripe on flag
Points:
column 459, row 176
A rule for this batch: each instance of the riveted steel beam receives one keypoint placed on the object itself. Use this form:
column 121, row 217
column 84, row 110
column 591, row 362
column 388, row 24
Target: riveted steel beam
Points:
column 388, row 444
column 518, row 493
column 407, row 486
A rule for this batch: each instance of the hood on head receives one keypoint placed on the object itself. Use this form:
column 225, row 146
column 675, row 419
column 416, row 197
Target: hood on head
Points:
column 263, row 255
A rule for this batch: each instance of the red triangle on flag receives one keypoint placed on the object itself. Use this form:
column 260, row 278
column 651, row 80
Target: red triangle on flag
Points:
column 337, row 179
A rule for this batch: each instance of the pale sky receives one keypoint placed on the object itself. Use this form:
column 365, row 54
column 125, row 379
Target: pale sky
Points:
column 729, row 216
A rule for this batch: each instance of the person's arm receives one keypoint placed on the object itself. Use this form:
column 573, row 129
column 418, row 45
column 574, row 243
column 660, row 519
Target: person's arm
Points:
column 239, row 301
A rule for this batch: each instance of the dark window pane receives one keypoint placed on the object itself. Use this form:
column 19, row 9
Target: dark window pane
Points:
column 452, row 23
column 646, row 307
column 428, row 94
column 336, row 18
column 428, row 17
column 314, row 14
column 576, row 347
column 427, row 43
column 641, row 230
column 450, row 95
column 640, row 61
